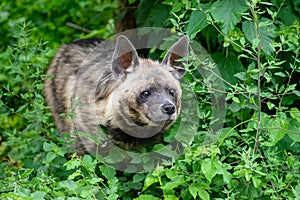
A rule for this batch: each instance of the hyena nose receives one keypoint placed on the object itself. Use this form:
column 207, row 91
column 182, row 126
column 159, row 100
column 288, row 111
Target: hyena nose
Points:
column 168, row 108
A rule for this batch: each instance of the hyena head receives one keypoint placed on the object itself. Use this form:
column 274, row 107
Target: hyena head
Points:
column 147, row 101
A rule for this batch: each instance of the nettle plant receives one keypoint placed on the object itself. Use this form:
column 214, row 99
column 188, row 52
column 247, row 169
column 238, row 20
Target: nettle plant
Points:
column 256, row 51
column 255, row 48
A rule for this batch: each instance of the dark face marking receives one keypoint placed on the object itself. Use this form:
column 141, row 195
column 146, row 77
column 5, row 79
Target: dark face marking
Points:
column 157, row 102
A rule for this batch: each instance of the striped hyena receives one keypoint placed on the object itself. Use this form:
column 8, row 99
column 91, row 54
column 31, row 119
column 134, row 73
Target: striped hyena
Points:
column 98, row 84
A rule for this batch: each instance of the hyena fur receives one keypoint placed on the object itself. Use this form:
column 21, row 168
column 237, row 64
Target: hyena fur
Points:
column 99, row 83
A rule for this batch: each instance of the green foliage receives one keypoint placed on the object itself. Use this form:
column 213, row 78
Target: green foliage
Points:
column 255, row 46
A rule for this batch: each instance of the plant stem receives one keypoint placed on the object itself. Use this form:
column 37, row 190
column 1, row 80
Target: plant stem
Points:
column 258, row 62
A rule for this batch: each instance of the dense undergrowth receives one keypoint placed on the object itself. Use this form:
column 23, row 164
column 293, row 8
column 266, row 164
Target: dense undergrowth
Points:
column 255, row 46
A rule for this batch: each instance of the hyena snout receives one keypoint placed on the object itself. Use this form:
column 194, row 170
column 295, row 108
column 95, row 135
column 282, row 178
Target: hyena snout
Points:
column 168, row 108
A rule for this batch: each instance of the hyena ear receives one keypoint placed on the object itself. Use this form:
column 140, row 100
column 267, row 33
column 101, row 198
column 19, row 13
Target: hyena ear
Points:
column 125, row 57
column 178, row 51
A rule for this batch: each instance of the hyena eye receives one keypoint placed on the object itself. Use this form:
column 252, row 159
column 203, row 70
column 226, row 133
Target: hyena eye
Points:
column 172, row 92
column 145, row 94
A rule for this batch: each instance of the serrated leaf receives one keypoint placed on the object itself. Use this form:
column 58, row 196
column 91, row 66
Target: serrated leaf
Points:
column 47, row 147
column 72, row 164
column 228, row 12
column 196, row 23
column 38, row 195
column 71, row 185
column 89, row 162
column 50, row 156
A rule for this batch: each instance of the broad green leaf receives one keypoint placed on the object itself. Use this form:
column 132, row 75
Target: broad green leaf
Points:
column 203, row 194
column 276, row 129
column 294, row 130
column 151, row 14
column 38, row 195
column 241, row 75
column 196, row 23
column 107, row 171
column 138, row 178
column 267, row 34
column 256, row 181
column 228, row 66
column 174, row 183
column 171, row 173
column 159, row 14
column 47, row 147
column 193, row 190
column 207, row 169
column 50, row 156
column 71, row 185
column 89, row 162
column 295, row 114
column 150, row 179
column 228, row 12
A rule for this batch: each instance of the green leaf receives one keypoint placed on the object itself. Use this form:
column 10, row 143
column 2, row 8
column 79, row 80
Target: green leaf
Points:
column 203, row 194
column 228, row 12
column 174, row 183
column 276, row 129
column 138, row 178
column 281, row 74
column 131, row 1
column 171, row 173
column 89, row 162
column 151, row 14
column 228, row 66
column 295, row 114
column 38, row 195
column 50, row 156
column 241, row 75
column 107, row 171
column 71, row 185
column 72, row 164
column 193, row 190
column 294, row 130
column 267, row 34
column 147, row 197
column 47, row 147
column 150, row 179
column 196, row 23
column 207, row 169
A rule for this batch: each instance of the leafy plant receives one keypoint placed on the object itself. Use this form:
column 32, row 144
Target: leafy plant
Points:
column 255, row 155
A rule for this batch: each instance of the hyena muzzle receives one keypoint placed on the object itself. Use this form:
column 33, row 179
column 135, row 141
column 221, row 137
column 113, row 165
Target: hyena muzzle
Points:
column 96, row 84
